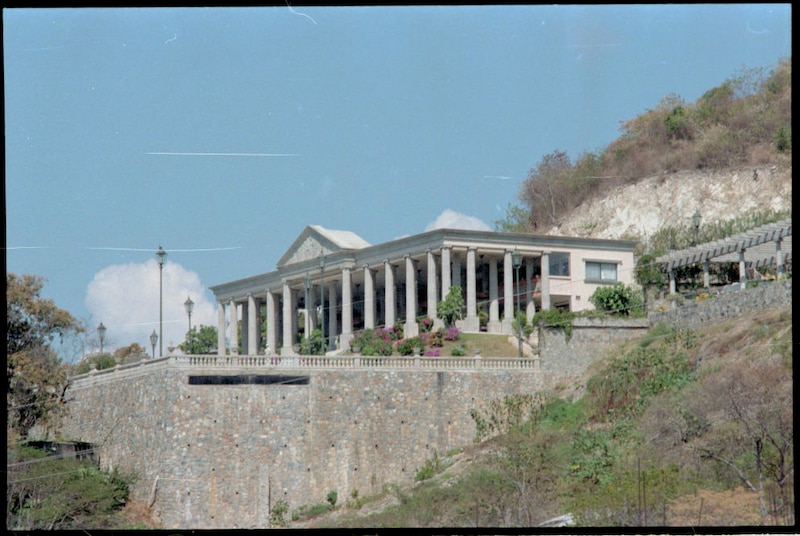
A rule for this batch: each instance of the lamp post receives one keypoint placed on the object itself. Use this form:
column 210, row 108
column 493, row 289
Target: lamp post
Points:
column 189, row 305
column 162, row 255
column 322, row 300
column 101, row 332
column 153, row 340
column 696, row 223
column 516, row 259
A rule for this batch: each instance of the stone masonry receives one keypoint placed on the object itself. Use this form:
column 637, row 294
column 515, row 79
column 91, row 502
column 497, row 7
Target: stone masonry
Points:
column 220, row 456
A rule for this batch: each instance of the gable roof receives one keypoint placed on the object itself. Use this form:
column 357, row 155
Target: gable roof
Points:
column 316, row 240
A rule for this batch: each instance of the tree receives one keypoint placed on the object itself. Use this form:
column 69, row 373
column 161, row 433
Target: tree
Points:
column 202, row 340
column 516, row 220
column 543, row 192
column 452, row 307
column 98, row 361
column 37, row 378
column 756, row 443
column 130, row 354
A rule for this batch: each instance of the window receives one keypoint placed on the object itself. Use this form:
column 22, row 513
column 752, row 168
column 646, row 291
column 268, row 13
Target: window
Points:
column 559, row 264
column 604, row 272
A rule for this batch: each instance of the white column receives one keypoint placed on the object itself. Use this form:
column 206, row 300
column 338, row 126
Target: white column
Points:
column 778, row 258
column 742, row 271
column 253, row 331
column 545, row 281
column 432, row 290
column 445, row 272
column 311, row 312
column 530, row 305
column 333, row 321
column 369, row 298
column 288, row 321
column 244, row 333
column 706, row 277
column 457, row 271
column 234, row 314
column 508, row 292
column 411, row 327
column 347, row 309
column 472, row 322
column 272, row 325
column 389, row 292
column 673, row 288
column 221, row 329
column 494, row 298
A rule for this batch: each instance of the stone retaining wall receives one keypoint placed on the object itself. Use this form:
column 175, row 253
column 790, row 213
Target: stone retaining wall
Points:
column 729, row 304
column 220, row 456
column 565, row 359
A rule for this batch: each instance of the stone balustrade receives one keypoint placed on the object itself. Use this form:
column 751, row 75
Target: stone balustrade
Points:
column 269, row 362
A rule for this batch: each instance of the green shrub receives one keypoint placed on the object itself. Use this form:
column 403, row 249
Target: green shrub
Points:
column 432, row 467
column 436, row 338
column 458, row 351
column 555, row 318
column 522, row 320
column 332, row 497
column 783, row 139
column 100, row 362
column 406, row 346
column 593, row 457
column 373, row 342
column 628, row 382
column 617, row 300
column 55, row 494
column 277, row 514
column 451, row 308
column 315, row 345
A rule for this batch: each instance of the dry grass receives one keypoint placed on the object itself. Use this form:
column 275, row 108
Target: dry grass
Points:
column 139, row 516
column 707, row 508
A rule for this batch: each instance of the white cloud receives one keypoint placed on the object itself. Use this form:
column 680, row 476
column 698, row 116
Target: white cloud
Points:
column 450, row 219
column 125, row 298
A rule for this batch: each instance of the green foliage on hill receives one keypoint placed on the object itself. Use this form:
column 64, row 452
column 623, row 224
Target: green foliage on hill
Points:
column 667, row 418
column 48, row 493
column 745, row 121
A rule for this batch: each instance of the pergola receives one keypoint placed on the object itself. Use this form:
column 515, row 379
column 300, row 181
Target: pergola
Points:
column 767, row 245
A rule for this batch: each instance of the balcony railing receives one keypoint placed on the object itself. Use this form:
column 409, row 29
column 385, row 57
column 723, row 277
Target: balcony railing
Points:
column 357, row 362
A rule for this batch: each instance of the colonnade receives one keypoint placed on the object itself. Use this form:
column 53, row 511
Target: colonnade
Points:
column 742, row 269
column 384, row 306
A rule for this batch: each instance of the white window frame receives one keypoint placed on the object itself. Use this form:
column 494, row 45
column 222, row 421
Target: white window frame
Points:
column 601, row 267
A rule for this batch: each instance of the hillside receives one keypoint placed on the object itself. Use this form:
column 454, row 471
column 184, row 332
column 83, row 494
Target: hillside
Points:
column 639, row 210
column 679, row 449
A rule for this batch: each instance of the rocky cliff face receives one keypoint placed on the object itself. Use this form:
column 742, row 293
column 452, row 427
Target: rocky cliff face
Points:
column 637, row 211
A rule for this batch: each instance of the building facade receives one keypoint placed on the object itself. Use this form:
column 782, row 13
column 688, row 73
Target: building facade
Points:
column 342, row 284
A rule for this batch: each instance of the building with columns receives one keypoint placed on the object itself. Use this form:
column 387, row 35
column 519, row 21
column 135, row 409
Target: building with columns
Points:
column 342, row 284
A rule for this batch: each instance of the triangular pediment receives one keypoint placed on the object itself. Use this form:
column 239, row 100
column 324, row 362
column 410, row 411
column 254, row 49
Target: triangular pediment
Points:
column 315, row 241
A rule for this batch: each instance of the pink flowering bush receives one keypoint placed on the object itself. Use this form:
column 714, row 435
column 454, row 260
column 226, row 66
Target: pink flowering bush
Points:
column 433, row 352
column 451, row 334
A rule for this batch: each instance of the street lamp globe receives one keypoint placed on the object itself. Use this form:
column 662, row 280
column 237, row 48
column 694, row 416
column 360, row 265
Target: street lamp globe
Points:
column 696, row 223
column 101, row 332
column 153, row 341
column 516, row 258
column 189, row 305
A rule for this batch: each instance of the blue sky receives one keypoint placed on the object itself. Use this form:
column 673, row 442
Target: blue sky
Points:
column 221, row 133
